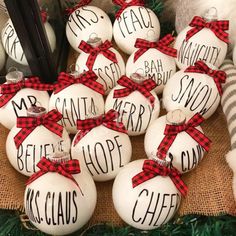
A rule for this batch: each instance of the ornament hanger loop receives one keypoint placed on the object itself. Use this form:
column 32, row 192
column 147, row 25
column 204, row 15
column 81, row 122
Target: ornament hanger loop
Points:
column 140, row 71
column 151, row 36
column 94, row 40
column 138, row 78
column 74, row 69
column 14, row 75
column 162, row 162
column 211, row 14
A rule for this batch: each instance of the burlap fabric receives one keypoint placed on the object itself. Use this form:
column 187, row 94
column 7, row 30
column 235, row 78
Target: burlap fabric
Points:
column 210, row 184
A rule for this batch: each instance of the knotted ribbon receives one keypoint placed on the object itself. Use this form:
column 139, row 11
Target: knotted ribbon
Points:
column 152, row 169
column 8, row 91
column 28, row 124
column 130, row 86
column 171, row 132
column 123, row 4
column 44, row 16
column 94, row 52
column 217, row 27
column 162, row 45
column 82, row 3
column 66, row 169
column 88, row 79
column 219, row 76
column 108, row 120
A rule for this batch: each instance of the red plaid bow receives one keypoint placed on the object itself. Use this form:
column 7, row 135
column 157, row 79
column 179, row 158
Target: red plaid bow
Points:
column 88, row 79
column 124, row 5
column 103, row 49
column 152, row 169
column 219, row 76
column 8, row 91
column 44, row 16
column 28, row 124
column 144, row 88
column 162, row 45
column 217, row 27
column 107, row 120
column 82, row 3
column 67, row 169
column 171, row 131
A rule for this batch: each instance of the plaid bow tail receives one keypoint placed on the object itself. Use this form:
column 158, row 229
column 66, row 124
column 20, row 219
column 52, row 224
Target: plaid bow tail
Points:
column 66, row 169
column 82, row 3
column 152, row 169
column 124, row 5
column 44, row 16
column 29, row 124
column 217, row 27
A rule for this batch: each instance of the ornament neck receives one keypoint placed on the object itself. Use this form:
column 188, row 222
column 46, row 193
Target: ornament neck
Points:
column 95, row 42
column 35, row 111
column 14, row 77
column 176, row 117
column 211, row 15
column 137, row 78
column 59, row 157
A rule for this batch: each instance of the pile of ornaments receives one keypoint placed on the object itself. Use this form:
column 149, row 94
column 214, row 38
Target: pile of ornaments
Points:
column 60, row 196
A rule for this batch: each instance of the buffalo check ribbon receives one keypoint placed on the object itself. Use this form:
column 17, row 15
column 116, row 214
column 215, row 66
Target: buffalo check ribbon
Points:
column 217, row 27
column 162, row 45
column 88, row 79
column 130, row 86
column 94, row 52
column 82, row 3
column 28, row 124
column 219, row 76
column 44, row 16
column 66, row 169
column 152, row 169
column 8, row 91
column 123, row 5
column 171, row 132
column 108, row 120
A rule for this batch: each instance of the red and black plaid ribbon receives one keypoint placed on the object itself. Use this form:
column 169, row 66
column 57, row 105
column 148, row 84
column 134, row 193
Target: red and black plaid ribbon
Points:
column 162, row 45
column 171, row 131
column 217, row 27
column 88, row 79
column 66, row 169
column 219, row 76
column 130, row 86
column 82, row 3
column 8, row 91
column 28, row 124
column 123, row 4
column 44, row 16
column 93, row 52
column 152, row 169
column 108, row 120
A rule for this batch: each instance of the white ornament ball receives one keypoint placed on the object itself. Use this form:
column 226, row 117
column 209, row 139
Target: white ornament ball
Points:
column 55, row 204
column 184, row 154
column 192, row 93
column 102, row 152
column 12, row 45
column 136, row 111
column 107, row 71
column 40, row 143
column 18, row 105
column 150, row 204
column 134, row 22
column 234, row 55
column 204, row 46
column 76, row 102
column 154, row 65
column 2, row 56
column 86, row 21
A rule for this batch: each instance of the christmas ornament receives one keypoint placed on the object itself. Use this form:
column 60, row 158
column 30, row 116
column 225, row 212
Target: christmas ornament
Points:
column 76, row 96
column 87, row 20
column 102, row 146
column 103, row 59
column 133, row 21
column 155, row 59
column 182, row 143
column 18, row 94
column 136, row 103
column 204, row 39
column 62, row 208
column 2, row 56
column 12, row 45
column 154, row 194
column 34, row 136
column 195, row 90
column 234, row 55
